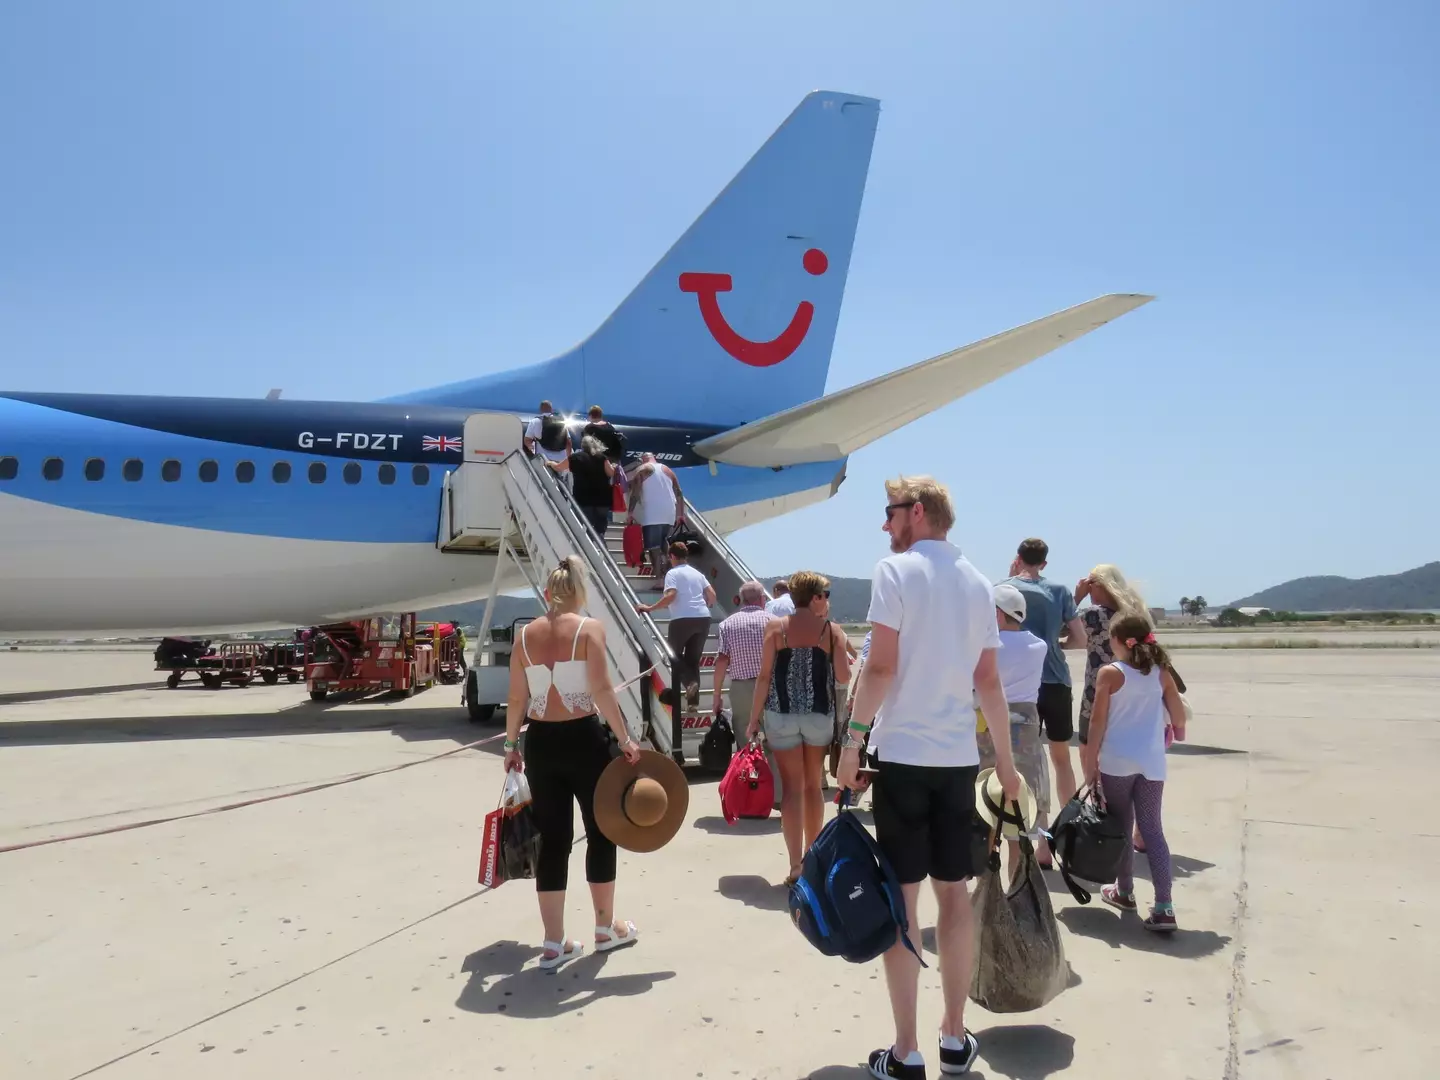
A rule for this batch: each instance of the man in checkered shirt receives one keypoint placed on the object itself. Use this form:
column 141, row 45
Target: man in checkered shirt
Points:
column 742, row 644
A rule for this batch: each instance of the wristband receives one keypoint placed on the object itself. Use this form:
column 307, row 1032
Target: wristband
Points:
column 509, row 745
column 859, row 729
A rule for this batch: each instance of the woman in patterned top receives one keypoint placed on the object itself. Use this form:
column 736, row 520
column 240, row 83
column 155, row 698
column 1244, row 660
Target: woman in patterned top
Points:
column 804, row 666
column 1110, row 597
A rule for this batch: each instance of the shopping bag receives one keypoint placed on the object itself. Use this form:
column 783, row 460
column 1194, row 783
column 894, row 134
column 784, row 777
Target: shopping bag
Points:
column 1088, row 841
column 519, row 835
column 492, row 870
column 1020, row 960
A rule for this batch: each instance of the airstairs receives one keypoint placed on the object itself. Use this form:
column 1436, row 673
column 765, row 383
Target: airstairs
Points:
column 502, row 503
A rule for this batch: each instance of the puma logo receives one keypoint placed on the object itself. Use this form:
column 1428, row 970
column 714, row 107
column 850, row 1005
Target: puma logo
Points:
column 859, row 891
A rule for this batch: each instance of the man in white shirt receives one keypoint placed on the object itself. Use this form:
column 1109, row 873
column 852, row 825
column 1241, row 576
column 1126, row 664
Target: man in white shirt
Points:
column 783, row 603
column 932, row 653
column 548, row 435
column 657, row 503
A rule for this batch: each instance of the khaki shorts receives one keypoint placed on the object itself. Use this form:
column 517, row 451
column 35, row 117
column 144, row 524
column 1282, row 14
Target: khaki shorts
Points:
column 1027, row 750
column 786, row 731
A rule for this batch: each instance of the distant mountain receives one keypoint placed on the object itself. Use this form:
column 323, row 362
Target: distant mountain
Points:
column 1414, row 590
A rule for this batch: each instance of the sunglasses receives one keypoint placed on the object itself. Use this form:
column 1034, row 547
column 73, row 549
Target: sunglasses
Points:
column 899, row 506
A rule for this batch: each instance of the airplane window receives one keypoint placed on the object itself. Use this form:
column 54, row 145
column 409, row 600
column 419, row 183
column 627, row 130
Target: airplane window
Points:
column 421, row 475
column 9, row 468
column 170, row 471
column 133, row 469
column 386, row 473
column 209, row 471
column 244, row 472
column 95, row 469
column 280, row 473
column 352, row 472
column 53, row 469
column 317, row 472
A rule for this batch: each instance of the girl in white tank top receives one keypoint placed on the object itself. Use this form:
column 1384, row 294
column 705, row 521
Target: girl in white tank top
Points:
column 1125, row 756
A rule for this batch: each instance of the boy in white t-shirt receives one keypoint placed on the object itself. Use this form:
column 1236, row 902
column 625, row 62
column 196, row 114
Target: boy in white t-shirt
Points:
column 1021, row 660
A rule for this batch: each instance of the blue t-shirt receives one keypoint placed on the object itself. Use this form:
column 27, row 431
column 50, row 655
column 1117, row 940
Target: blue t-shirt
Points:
column 1048, row 607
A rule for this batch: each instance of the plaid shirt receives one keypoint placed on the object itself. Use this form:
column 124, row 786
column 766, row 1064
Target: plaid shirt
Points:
column 742, row 640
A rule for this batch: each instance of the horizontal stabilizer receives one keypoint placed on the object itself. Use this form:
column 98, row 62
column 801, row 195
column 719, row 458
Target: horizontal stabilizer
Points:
column 838, row 424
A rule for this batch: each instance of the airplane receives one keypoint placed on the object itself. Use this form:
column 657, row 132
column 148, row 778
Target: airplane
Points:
column 131, row 515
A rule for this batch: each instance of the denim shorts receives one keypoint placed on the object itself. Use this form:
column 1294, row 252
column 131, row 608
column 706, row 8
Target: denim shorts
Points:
column 786, row 731
column 655, row 536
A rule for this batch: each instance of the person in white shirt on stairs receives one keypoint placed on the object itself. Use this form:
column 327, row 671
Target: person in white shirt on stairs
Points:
column 690, row 597
column 658, row 504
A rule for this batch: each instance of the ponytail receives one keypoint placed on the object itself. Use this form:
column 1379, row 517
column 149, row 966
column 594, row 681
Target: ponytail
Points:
column 1137, row 635
column 565, row 587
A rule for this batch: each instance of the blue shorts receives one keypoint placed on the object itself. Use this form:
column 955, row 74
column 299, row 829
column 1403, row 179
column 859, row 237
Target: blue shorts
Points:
column 786, row 731
column 655, row 536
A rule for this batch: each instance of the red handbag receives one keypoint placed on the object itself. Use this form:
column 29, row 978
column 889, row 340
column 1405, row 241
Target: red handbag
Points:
column 748, row 788
column 634, row 545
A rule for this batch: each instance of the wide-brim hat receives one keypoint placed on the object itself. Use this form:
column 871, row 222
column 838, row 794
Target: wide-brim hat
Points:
column 990, row 796
column 641, row 807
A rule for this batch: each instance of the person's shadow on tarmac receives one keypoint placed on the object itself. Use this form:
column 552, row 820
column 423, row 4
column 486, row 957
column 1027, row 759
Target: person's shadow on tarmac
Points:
column 1019, row 1052
column 503, row 980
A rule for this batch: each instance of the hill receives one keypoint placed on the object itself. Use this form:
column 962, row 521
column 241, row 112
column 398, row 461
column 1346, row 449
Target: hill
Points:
column 1413, row 590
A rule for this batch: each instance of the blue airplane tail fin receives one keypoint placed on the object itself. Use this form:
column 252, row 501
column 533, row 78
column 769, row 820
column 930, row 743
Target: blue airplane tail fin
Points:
column 738, row 318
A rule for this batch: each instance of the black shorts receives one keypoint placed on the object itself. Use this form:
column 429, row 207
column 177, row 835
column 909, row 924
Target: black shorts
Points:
column 923, row 819
column 1056, row 706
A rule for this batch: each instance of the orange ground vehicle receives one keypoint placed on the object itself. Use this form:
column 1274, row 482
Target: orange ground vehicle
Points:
column 379, row 653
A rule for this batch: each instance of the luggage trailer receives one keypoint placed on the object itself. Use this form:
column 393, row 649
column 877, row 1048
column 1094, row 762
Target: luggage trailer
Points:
column 379, row 653
column 235, row 662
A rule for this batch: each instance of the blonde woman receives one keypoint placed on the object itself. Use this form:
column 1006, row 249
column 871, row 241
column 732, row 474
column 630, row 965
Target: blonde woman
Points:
column 1111, row 596
column 558, row 679
column 804, row 664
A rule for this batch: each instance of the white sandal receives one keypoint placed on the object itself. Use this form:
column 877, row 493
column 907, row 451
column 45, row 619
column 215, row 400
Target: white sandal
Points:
column 606, row 938
column 564, row 951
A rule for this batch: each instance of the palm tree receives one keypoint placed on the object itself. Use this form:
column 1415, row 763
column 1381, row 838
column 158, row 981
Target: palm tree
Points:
column 1184, row 605
column 1198, row 606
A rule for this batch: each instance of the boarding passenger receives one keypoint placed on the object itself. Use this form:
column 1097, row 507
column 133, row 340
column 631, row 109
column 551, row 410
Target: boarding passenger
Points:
column 547, row 435
column 742, row 645
column 657, row 503
column 804, row 669
column 592, row 475
column 689, row 597
column 1110, row 596
column 1135, row 700
column 1021, row 659
column 560, row 687
column 1051, row 616
column 932, row 652
column 782, row 604
column 605, row 431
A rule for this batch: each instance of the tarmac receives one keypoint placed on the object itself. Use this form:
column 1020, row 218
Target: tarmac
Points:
column 340, row 932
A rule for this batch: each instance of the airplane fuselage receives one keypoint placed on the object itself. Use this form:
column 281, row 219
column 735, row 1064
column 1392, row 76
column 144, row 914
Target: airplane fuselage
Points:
column 127, row 514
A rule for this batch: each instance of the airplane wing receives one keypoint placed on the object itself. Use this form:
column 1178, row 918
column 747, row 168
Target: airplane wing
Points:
column 838, row 424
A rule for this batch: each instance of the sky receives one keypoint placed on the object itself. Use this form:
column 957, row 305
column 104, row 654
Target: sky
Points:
column 350, row 199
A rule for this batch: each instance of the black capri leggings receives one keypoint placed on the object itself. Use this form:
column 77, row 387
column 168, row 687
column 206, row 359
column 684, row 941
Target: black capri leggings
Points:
column 563, row 761
column 687, row 638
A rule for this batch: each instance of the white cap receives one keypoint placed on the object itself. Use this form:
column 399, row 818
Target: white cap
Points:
column 1011, row 601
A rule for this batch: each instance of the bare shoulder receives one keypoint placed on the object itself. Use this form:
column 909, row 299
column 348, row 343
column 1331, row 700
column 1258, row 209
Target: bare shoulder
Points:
column 1110, row 677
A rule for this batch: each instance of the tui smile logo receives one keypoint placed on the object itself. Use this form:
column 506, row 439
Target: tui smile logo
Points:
column 708, row 288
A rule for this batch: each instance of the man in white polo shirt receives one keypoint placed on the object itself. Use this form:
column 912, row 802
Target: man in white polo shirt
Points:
column 932, row 655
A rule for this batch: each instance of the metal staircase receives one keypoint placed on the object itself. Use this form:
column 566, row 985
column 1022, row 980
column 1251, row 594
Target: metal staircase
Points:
column 502, row 502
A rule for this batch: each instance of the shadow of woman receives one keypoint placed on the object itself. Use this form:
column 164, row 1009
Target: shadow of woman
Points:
column 1125, row 930
column 754, row 891
column 499, row 983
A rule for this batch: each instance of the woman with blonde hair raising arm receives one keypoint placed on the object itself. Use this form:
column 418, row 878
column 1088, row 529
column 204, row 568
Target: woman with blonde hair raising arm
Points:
column 561, row 683
column 1111, row 596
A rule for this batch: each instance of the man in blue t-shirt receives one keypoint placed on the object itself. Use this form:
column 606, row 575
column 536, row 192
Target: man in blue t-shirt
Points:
column 1051, row 615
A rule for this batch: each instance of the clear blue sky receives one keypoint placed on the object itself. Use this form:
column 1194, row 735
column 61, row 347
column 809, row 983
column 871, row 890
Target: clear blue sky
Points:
column 353, row 199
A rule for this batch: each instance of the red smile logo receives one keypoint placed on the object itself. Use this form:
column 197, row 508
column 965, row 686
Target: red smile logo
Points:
column 708, row 288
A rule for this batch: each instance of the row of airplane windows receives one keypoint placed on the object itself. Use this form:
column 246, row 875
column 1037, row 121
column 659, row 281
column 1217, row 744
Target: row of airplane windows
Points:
column 53, row 468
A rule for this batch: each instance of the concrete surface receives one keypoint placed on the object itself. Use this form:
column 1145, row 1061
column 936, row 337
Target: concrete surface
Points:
column 340, row 933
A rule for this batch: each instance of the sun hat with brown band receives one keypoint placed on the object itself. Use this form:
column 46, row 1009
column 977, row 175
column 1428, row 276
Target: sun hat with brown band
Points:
column 641, row 807
column 990, row 797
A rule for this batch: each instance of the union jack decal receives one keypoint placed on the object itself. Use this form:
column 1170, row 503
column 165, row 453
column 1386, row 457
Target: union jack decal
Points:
column 442, row 443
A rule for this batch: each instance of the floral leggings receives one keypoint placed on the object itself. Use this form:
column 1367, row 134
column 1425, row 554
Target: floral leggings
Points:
column 1137, row 800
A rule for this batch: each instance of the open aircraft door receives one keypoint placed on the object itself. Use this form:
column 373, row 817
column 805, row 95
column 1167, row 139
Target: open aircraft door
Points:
column 472, row 508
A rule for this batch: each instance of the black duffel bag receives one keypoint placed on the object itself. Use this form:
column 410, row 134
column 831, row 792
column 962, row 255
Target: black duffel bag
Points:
column 718, row 746
column 1088, row 841
column 687, row 536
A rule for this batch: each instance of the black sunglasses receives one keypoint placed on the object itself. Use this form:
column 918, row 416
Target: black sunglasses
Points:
column 899, row 506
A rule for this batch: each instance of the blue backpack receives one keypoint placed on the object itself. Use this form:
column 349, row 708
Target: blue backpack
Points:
column 847, row 901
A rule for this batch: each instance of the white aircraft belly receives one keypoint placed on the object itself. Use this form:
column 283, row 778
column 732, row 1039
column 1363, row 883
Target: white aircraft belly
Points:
column 72, row 573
